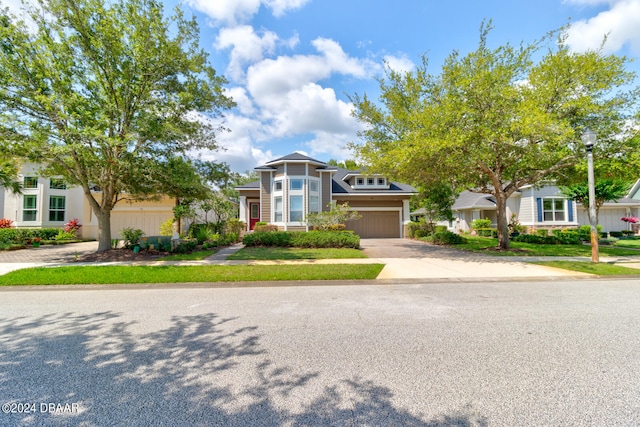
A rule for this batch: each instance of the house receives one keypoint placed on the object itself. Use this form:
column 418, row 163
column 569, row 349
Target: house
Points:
column 49, row 202
column 294, row 185
column 543, row 207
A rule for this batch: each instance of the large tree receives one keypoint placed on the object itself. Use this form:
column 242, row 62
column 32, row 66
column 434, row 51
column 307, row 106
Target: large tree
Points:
column 496, row 119
column 104, row 91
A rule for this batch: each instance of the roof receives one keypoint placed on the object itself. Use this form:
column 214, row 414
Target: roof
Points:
column 295, row 157
column 340, row 186
column 253, row 185
column 471, row 200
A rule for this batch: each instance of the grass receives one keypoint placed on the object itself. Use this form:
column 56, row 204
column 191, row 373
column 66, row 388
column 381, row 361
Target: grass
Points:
column 272, row 253
column 193, row 256
column 600, row 269
column 628, row 244
column 484, row 244
column 182, row 274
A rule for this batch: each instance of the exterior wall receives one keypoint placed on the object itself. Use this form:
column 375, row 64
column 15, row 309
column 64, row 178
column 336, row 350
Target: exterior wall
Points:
column 265, row 196
column 296, row 169
column 379, row 202
column 325, row 198
column 608, row 217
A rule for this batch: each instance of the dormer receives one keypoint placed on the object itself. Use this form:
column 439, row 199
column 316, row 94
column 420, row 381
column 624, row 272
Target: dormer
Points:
column 359, row 181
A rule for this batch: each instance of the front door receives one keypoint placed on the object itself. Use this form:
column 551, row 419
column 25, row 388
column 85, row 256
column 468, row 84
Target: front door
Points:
column 254, row 214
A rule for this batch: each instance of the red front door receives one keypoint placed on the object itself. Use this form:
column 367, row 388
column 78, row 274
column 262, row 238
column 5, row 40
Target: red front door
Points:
column 254, row 214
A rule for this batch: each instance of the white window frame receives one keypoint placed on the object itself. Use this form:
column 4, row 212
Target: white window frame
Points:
column 553, row 211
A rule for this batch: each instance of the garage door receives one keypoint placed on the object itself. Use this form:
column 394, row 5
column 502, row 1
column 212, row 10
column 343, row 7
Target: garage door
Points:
column 374, row 224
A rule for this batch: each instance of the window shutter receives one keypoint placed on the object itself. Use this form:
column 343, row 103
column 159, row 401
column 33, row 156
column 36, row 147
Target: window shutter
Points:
column 570, row 209
column 539, row 203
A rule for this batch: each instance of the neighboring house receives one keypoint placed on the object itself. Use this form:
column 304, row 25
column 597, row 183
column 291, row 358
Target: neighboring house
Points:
column 292, row 186
column 538, row 207
column 48, row 202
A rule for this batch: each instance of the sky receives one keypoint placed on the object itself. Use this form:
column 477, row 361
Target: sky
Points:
column 292, row 65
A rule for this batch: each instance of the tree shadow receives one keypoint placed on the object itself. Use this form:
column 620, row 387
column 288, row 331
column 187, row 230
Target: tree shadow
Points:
column 196, row 370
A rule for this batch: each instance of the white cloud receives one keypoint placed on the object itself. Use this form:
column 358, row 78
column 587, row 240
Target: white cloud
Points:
column 280, row 7
column 400, row 64
column 620, row 22
column 247, row 47
column 273, row 77
column 244, row 104
column 332, row 145
column 233, row 12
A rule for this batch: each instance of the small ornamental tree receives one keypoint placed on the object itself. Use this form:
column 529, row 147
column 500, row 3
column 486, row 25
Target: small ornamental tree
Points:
column 606, row 190
column 330, row 220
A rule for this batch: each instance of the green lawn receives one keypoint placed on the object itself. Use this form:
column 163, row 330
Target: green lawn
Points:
column 628, row 244
column 485, row 244
column 182, row 274
column 601, row 269
column 272, row 253
column 193, row 256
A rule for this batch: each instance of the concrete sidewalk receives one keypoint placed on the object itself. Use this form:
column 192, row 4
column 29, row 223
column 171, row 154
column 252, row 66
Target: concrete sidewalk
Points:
column 437, row 264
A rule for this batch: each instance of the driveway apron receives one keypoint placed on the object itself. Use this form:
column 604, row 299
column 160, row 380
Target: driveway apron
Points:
column 413, row 259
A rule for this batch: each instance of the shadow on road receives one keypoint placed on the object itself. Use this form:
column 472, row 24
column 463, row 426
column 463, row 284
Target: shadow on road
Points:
column 184, row 374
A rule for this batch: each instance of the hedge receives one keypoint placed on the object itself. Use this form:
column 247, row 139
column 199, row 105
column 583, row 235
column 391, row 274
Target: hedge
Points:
column 557, row 239
column 302, row 239
column 446, row 238
column 23, row 235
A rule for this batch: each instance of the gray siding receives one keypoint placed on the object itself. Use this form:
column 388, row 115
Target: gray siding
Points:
column 296, row 169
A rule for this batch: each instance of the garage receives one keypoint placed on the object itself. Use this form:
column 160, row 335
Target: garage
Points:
column 376, row 224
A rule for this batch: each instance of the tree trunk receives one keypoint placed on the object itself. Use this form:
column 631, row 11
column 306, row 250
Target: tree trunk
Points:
column 104, row 229
column 503, row 221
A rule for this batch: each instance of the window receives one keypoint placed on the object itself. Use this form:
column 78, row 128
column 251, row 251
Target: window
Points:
column 314, row 199
column 360, row 181
column 381, row 181
column 57, row 184
column 277, row 186
column 370, row 181
column 277, row 209
column 295, row 184
column 56, row 208
column 30, row 182
column 295, row 209
column 313, row 186
column 29, row 208
column 553, row 209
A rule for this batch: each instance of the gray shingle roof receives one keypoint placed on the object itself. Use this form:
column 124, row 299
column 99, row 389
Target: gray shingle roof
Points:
column 470, row 200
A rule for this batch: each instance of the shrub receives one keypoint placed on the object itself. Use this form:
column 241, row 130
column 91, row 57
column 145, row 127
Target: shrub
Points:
column 420, row 233
column 487, row 232
column 187, row 245
column 265, row 228
column 440, row 228
column 5, row 223
column 585, row 232
column 481, row 223
column 234, row 226
column 166, row 228
column 419, row 229
column 325, row 239
column 560, row 239
column 542, row 232
column 274, row 238
column 72, row 227
column 64, row 235
column 446, row 238
column 627, row 232
column 131, row 237
column 616, row 234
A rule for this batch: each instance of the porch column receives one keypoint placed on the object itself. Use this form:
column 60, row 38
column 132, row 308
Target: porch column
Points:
column 406, row 216
column 242, row 207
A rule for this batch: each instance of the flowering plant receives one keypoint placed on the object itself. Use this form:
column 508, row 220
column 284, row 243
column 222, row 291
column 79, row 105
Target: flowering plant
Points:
column 630, row 219
column 5, row 223
column 36, row 240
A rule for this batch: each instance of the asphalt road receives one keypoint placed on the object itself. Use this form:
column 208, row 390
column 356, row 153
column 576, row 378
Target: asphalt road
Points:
column 563, row 353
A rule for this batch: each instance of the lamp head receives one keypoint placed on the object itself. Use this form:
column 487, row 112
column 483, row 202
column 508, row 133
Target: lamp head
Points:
column 589, row 138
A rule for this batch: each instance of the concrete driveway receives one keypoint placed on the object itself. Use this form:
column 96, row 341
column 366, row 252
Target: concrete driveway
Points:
column 413, row 259
column 44, row 255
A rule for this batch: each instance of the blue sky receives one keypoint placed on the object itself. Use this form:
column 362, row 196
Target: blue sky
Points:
column 291, row 64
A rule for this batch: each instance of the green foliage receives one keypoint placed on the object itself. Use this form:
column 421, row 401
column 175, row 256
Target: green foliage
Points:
column 481, row 223
column 234, row 226
column 564, row 238
column 301, row 239
column 166, row 228
column 606, row 190
column 497, row 119
column 417, row 229
column 72, row 227
column 265, row 228
column 21, row 236
column 487, row 232
column 185, row 246
column 105, row 92
column 584, row 231
column 515, row 226
column 445, row 238
column 65, row 235
column 617, row 234
column 8, row 173
column 436, row 201
column 542, row 232
column 328, row 220
column 131, row 237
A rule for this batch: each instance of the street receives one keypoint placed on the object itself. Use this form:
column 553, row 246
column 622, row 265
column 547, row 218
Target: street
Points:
column 526, row 353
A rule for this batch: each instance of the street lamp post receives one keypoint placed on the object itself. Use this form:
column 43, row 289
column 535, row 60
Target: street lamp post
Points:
column 589, row 140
